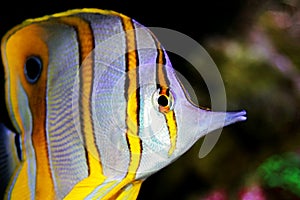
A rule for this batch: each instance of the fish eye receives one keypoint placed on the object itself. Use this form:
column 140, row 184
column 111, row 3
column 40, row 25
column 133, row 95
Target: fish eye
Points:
column 33, row 68
column 163, row 100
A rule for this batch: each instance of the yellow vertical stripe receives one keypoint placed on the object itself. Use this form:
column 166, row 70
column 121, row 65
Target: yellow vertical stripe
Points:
column 172, row 127
column 169, row 114
column 21, row 189
column 132, row 110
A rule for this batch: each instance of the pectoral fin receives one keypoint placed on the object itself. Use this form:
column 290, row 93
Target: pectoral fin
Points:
column 131, row 191
column 8, row 157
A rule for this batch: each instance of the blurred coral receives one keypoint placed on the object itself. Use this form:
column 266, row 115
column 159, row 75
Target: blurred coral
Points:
column 252, row 193
column 216, row 195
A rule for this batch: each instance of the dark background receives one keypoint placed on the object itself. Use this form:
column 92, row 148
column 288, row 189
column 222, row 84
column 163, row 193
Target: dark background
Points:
column 188, row 17
column 268, row 94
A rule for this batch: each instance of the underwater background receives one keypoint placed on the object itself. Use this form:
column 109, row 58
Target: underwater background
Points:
column 256, row 46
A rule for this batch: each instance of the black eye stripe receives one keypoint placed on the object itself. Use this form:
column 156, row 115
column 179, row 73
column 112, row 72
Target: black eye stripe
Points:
column 168, row 92
column 33, row 68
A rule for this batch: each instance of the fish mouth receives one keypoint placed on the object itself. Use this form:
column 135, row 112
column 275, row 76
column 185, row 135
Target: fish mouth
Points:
column 236, row 116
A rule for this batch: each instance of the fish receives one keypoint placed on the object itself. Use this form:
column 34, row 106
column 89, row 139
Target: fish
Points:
column 95, row 105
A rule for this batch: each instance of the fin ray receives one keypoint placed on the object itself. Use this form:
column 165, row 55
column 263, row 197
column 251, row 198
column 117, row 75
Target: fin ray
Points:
column 8, row 157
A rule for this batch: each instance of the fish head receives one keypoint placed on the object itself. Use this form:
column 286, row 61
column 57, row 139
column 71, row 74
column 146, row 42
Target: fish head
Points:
column 150, row 103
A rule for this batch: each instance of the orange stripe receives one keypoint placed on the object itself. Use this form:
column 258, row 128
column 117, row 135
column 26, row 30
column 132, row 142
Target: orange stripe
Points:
column 161, row 75
column 86, row 47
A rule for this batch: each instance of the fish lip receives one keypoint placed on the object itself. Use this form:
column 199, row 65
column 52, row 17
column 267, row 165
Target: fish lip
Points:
column 235, row 116
column 241, row 115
